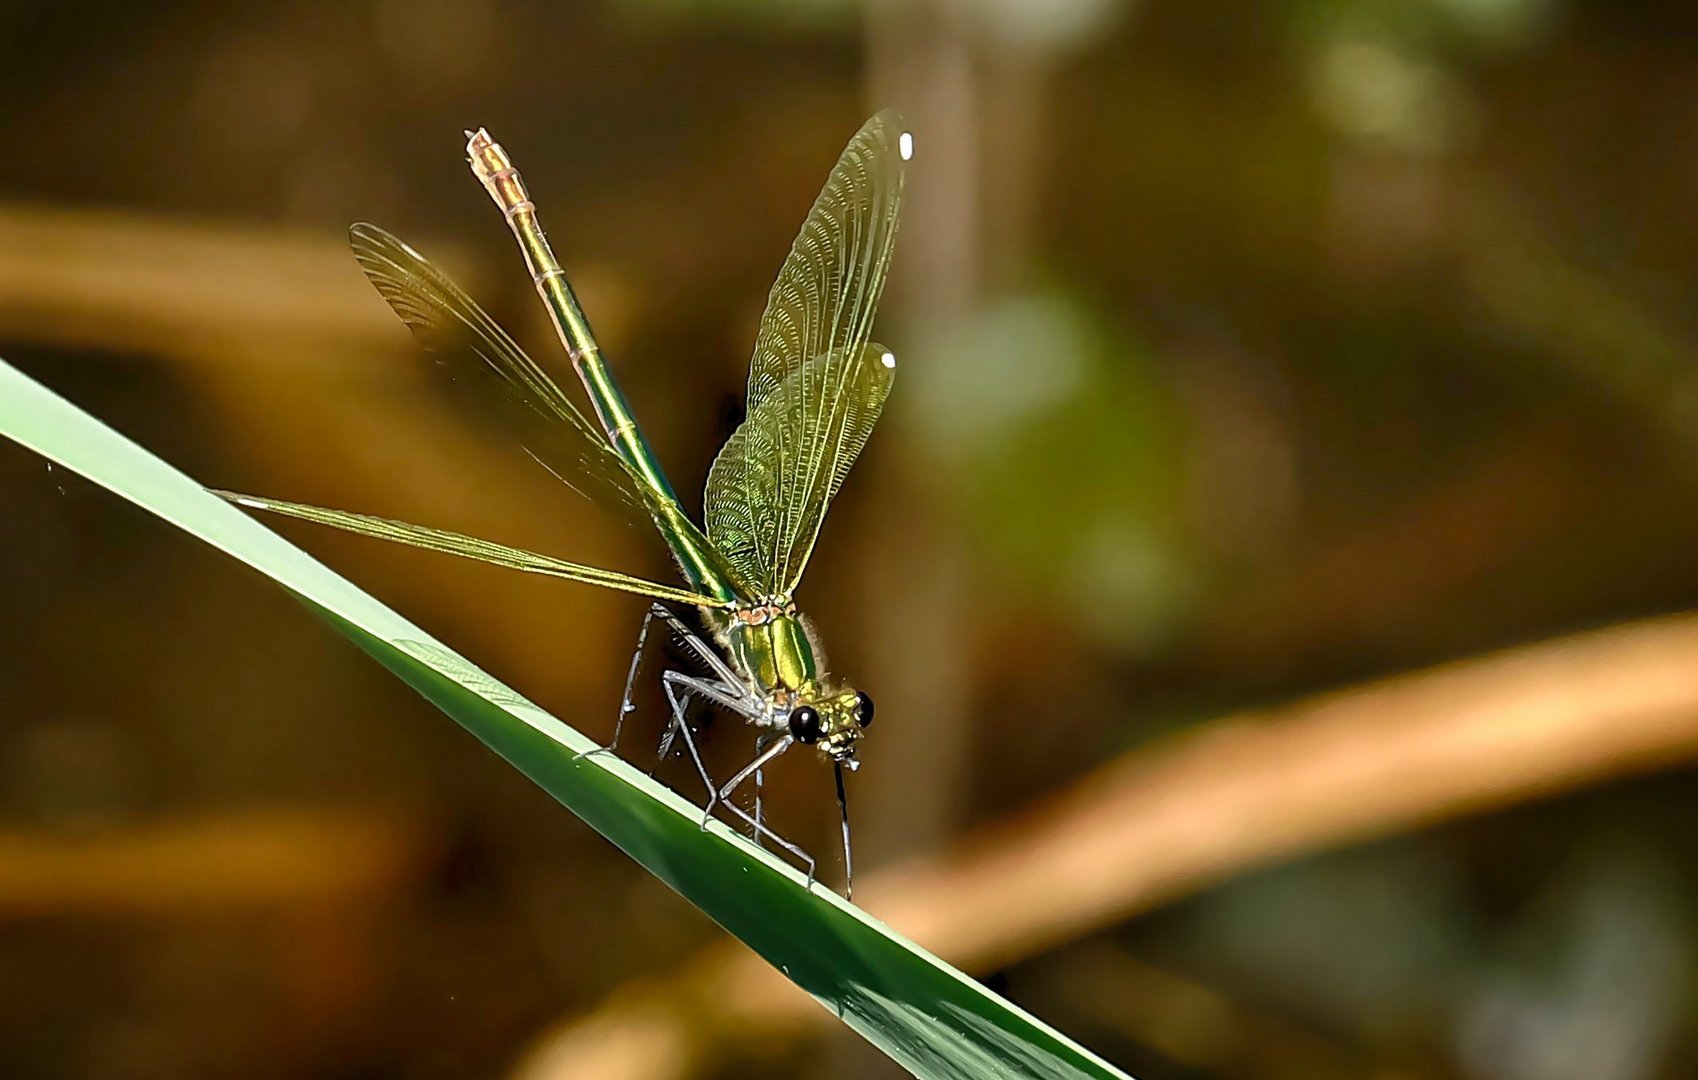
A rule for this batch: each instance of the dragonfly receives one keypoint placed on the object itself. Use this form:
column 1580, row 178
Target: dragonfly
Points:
column 817, row 385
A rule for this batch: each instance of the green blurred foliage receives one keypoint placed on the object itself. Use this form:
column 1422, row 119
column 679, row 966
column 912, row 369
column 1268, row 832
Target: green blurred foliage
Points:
column 1057, row 441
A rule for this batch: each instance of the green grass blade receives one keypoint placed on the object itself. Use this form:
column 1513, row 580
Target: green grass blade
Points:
column 929, row 1017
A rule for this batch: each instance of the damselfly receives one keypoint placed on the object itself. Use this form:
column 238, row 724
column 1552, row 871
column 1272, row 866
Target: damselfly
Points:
column 817, row 383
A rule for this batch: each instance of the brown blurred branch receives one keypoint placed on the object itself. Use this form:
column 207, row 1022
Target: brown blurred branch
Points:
column 123, row 281
column 1172, row 818
column 232, row 864
column 317, row 885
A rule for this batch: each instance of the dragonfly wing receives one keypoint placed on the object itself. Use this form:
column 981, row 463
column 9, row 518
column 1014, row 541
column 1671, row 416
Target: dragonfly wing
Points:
column 470, row 547
column 746, row 485
column 474, row 349
column 815, row 384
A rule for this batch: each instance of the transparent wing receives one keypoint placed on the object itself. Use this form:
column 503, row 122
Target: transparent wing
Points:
column 474, row 350
column 814, row 384
column 470, row 547
column 746, row 482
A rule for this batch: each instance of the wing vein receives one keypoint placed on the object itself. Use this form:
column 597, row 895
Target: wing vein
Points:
column 815, row 390
column 470, row 547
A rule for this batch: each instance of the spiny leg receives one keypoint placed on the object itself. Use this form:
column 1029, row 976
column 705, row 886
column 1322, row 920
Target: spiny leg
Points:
column 675, row 720
column 704, row 652
column 679, row 688
column 679, row 724
column 759, row 783
column 710, row 659
column 761, row 744
column 626, row 707
column 761, row 830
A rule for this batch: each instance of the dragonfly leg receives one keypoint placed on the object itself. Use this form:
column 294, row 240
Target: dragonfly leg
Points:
column 759, row 782
column 761, row 831
column 727, row 690
column 673, row 723
column 626, row 708
column 680, row 701
column 761, row 744
column 794, row 849
column 704, row 652
column 679, row 688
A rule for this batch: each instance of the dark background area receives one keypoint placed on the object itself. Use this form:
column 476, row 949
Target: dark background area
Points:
column 1248, row 353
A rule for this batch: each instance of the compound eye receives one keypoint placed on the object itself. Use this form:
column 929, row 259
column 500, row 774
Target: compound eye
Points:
column 805, row 724
column 864, row 709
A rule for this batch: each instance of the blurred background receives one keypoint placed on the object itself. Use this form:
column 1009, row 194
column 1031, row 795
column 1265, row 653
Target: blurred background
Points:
column 1274, row 568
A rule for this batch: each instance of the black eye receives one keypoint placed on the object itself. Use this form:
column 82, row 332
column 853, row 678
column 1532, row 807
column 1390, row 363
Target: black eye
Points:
column 864, row 709
column 805, row 724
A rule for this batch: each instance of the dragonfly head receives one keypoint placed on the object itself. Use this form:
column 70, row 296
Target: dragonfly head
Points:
column 834, row 724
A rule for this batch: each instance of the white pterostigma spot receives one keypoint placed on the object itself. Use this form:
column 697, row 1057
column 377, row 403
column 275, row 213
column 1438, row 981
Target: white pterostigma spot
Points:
column 888, row 360
column 905, row 145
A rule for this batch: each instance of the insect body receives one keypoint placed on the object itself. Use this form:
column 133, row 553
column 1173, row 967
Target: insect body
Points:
column 817, row 384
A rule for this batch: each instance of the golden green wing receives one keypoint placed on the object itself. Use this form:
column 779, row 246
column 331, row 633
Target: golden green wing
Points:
column 481, row 356
column 745, row 479
column 469, row 547
column 816, row 385
column 478, row 354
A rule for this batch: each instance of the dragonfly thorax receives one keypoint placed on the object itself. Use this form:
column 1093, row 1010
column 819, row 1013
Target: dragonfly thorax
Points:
column 773, row 647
